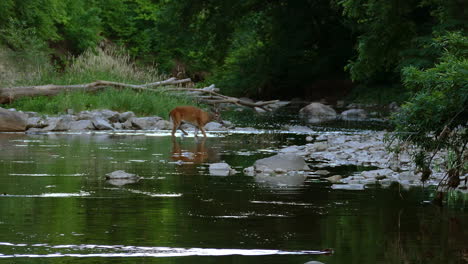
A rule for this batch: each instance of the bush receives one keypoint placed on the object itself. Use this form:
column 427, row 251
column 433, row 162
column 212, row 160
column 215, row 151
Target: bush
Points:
column 436, row 117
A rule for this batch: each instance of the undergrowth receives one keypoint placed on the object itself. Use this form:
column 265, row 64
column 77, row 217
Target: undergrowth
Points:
column 110, row 64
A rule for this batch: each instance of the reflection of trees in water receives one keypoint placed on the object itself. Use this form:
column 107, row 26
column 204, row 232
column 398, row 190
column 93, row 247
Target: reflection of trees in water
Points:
column 430, row 236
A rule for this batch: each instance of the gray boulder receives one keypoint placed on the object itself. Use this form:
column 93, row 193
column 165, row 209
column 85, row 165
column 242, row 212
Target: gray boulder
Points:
column 317, row 113
column 109, row 115
column 221, row 169
column 81, row 125
column 101, row 123
column 354, row 115
column 36, row 122
column 354, row 187
column 126, row 116
column 286, row 161
column 214, row 126
column 12, row 121
column 120, row 174
column 145, row 123
column 61, row 123
column 291, row 178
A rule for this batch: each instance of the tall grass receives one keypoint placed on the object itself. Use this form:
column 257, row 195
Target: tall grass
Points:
column 142, row 103
column 111, row 64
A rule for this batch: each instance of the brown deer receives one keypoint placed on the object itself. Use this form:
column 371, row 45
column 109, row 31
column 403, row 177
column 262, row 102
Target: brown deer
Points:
column 193, row 115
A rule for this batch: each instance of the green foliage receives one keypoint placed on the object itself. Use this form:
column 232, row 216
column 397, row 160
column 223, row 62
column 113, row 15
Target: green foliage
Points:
column 436, row 117
column 391, row 33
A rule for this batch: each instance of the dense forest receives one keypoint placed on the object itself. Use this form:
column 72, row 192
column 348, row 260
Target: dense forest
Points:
column 258, row 48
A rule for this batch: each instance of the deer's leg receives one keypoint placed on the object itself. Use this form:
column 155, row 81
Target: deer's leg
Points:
column 203, row 131
column 183, row 131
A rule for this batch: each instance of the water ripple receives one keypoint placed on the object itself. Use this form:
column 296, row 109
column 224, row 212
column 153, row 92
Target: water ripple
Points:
column 89, row 250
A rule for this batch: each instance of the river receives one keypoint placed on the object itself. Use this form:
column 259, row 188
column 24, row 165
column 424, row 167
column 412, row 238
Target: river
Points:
column 57, row 207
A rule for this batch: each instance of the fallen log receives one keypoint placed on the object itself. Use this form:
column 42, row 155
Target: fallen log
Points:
column 206, row 95
column 215, row 98
column 8, row 95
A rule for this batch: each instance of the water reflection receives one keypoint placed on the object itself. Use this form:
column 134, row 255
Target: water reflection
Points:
column 188, row 154
column 55, row 202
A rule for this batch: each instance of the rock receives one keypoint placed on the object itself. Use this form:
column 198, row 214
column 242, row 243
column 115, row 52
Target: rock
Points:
column 117, row 125
column 120, row 174
column 61, row 123
column 300, row 129
column 128, row 124
column 320, row 146
column 354, row 115
column 249, row 171
column 163, row 124
column 36, row 122
column 126, row 116
column 259, row 110
column 340, row 103
column 393, row 107
column 374, row 174
column 292, row 150
column 121, row 182
column 81, row 125
column 322, row 172
column 317, row 113
column 334, row 178
column 278, row 104
column 12, row 121
column 221, row 169
column 110, row 115
column 291, row 178
column 287, row 162
column 309, row 138
column 101, row 123
column 145, row 123
column 408, row 176
column 214, row 126
column 356, row 187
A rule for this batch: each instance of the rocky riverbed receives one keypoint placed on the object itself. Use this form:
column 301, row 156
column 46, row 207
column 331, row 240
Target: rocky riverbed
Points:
column 365, row 149
column 292, row 164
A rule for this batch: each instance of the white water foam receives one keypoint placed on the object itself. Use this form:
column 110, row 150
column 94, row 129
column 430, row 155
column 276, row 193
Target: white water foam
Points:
column 138, row 251
column 49, row 195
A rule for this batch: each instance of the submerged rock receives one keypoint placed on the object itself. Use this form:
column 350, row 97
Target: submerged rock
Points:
column 284, row 161
column 221, row 169
column 354, row 187
column 354, row 115
column 334, row 178
column 291, row 178
column 121, row 182
column 317, row 113
column 120, row 174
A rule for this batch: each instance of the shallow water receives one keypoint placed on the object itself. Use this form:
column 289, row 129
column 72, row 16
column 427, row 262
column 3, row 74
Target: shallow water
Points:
column 57, row 207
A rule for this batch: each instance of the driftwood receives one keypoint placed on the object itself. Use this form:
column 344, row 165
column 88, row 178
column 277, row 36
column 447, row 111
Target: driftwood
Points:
column 215, row 98
column 206, row 95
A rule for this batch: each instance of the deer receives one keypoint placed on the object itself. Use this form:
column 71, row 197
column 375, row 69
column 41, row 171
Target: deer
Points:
column 194, row 116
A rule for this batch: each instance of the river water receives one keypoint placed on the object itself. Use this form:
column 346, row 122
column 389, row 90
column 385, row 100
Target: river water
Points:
column 57, row 207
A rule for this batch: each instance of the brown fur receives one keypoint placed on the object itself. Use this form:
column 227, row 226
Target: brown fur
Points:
column 190, row 114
